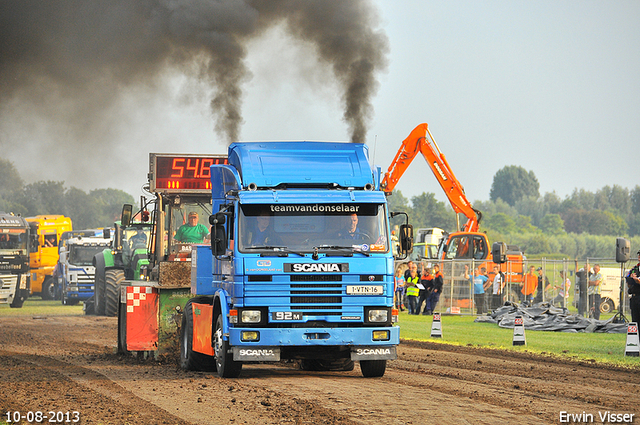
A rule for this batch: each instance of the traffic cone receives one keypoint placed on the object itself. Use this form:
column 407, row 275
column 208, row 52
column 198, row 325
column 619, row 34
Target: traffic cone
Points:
column 436, row 326
column 632, row 347
column 518, row 331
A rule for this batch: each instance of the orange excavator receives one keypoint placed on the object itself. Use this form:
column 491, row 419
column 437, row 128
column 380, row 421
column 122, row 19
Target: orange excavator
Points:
column 468, row 242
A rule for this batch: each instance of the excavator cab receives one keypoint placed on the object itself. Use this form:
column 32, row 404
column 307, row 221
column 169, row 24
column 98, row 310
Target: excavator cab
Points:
column 466, row 246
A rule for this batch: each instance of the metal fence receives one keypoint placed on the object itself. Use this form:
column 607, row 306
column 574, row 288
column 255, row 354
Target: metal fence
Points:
column 458, row 290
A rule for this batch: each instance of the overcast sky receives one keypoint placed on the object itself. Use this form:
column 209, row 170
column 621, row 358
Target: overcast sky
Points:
column 552, row 86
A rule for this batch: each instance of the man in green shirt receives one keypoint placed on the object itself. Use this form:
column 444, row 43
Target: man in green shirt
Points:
column 192, row 231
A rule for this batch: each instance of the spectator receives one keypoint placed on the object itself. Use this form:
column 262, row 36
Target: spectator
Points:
column 633, row 288
column 410, row 265
column 479, row 281
column 426, row 280
column 582, row 277
column 436, row 290
column 594, row 292
column 528, row 286
column 563, row 290
column 399, row 284
column 412, row 289
column 497, row 288
column 541, row 287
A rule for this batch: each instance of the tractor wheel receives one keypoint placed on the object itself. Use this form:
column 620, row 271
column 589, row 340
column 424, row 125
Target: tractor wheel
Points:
column 227, row 367
column 189, row 359
column 113, row 279
column 373, row 368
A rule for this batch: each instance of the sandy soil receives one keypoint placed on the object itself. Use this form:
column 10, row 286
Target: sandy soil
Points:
column 68, row 364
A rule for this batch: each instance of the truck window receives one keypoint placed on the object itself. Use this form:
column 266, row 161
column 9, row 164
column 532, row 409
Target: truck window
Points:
column 13, row 239
column 301, row 227
column 50, row 241
column 82, row 255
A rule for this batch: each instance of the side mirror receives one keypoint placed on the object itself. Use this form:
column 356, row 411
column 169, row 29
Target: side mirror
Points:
column 499, row 252
column 106, row 233
column 406, row 239
column 219, row 241
column 125, row 217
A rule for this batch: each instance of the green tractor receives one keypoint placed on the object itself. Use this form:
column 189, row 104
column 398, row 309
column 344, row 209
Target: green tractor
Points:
column 127, row 259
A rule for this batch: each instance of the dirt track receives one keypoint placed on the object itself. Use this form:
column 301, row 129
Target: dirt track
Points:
column 68, row 364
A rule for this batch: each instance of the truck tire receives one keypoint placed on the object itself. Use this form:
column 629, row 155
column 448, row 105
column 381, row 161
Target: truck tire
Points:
column 98, row 293
column 112, row 279
column 189, row 359
column 373, row 368
column 48, row 289
column 606, row 306
column 227, row 367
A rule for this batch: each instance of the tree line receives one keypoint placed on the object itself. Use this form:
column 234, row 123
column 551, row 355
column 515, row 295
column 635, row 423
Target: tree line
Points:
column 98, row 208
column 583, row 224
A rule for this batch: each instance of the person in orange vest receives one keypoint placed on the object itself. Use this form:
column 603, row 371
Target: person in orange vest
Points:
column 529, row 286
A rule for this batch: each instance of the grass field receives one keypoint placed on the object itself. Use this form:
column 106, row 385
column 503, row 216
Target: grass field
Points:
column 462, row 330
column 458, row 330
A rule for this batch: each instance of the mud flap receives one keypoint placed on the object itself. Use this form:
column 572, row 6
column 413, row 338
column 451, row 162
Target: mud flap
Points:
column 374, row 353
column 202, row 328
column 257, row 354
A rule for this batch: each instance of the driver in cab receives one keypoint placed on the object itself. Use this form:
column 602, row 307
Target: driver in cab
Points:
column 351, row 231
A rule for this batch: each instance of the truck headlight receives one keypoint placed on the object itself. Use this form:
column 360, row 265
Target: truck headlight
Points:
column 251, row 316
column 23, row 282
column 378, row 315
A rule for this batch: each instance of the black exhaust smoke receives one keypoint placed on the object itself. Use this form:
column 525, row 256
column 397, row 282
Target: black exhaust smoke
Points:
column 89, row 52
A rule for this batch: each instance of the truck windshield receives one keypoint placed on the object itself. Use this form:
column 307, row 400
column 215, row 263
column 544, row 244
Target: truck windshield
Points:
column 82, row 255
column 309, row 227
column 13, row 239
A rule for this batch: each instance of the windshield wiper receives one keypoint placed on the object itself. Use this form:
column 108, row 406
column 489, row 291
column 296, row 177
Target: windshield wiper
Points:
column 351, row 249
column 278, row 249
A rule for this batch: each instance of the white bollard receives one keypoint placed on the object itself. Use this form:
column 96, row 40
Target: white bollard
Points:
column 436, row 326
column 518, row 331
column 632, row 348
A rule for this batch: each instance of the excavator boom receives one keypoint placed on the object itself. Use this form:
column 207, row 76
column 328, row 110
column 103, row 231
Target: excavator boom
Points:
column 421, row 140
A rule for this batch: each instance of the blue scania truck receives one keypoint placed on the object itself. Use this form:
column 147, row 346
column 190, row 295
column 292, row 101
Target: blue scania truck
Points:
column 295, row 261
column 300, row 264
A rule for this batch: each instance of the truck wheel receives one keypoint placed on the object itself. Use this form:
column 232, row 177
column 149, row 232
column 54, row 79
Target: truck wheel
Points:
column 227, row 367
column 189, row 359
column 606, row 306
column 112, row 279
column 98, row 293
column 48, row 289
column 373, row 368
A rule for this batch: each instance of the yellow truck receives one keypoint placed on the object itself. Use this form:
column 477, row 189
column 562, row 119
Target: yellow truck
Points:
column 45, row 233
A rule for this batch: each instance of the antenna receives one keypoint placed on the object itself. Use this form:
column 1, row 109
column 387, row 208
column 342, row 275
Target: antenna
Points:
column 375, row 143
